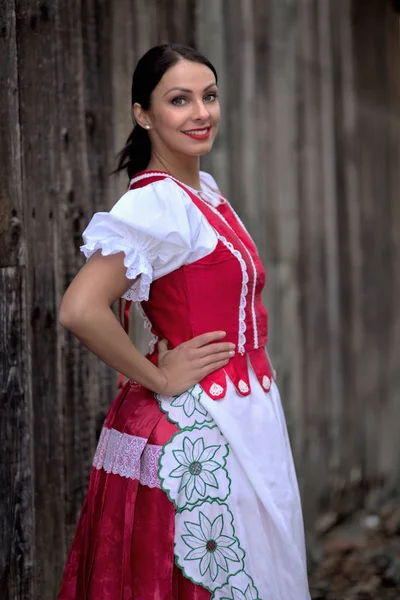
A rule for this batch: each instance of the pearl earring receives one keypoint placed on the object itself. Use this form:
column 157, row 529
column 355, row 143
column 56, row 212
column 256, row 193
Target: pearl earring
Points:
column 147, row 126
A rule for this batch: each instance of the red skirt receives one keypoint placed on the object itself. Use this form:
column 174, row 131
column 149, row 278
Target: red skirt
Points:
column 123, row 547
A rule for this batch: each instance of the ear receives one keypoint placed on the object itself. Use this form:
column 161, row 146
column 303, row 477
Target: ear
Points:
column 140, row 116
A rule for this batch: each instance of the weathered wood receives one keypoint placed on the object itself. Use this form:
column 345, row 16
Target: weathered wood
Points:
column 17, row 519
column 210, row 32
column 75, row 122
column 378, row 128
column 37, row 52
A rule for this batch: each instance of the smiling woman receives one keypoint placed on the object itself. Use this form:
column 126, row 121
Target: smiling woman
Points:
column 193, row 493
column 174, row 100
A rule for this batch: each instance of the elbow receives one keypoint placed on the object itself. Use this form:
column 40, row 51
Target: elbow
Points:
column 69, row 316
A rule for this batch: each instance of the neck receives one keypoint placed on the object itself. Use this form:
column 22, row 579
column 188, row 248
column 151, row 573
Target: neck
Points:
column 184, row 168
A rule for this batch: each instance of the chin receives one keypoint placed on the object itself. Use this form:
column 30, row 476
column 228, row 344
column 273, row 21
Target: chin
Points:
column 200, row 151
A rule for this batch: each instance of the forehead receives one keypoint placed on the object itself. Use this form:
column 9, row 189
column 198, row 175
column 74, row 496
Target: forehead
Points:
column 186, row 74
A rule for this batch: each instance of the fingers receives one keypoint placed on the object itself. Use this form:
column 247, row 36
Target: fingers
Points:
column 213, row 367
column 162, row 348
column 162, row 345
column 205, row 338
column 213, row 359
column 215, row 349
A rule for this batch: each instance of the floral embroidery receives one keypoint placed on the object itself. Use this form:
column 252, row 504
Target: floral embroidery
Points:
column 239, row 587
column 238, row 595
column 189, row 401
column 209, row 545
column 196, row 468
column 206, row 547
column 185, row 409
column 216, row 390
column 193, row 466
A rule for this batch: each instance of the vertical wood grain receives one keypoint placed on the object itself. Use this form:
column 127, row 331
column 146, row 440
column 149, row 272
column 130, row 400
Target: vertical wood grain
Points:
column 17, row 516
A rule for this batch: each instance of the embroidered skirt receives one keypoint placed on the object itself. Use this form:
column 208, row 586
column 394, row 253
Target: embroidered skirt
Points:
column 190, row 499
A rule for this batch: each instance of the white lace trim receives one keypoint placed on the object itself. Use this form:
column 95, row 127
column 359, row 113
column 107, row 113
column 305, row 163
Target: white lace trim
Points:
column 153, row 174
column 128, row 456
column 136, row 264
column 253, row 308
column 216, row 194
column 243, row 294
column 253, row 300
column 147, row 325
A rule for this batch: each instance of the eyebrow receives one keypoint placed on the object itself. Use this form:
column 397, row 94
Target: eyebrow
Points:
column 189, row 91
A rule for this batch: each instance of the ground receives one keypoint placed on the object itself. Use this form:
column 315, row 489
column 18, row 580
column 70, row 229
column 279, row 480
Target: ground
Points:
column 359, row 559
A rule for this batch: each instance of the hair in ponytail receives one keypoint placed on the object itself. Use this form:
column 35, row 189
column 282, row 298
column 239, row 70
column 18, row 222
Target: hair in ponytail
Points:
column 135, row 156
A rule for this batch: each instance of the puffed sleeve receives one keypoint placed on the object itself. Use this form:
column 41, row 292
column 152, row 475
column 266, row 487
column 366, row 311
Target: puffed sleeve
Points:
column 157, row 227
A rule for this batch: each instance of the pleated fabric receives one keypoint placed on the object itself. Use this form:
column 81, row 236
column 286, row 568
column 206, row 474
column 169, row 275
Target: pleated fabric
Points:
column 123, row 548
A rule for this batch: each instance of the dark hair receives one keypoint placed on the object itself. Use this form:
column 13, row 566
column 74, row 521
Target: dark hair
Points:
column 135, row 156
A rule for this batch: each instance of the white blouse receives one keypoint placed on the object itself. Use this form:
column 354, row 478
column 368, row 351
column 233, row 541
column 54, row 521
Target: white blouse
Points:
column 158, row 228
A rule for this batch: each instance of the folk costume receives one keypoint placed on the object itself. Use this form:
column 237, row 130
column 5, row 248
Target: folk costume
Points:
column 195, row 496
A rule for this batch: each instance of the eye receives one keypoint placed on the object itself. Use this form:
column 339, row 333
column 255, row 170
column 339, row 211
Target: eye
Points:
column 179, row 101
column 211, row 97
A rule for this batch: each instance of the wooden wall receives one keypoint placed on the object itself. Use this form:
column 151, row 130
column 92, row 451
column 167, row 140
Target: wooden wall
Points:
column 309, row 155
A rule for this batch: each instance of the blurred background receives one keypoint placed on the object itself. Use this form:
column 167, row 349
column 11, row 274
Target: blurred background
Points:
column 309, row 155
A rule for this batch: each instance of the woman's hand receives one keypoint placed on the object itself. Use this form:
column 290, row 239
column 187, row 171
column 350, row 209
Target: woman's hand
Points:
column 190, row 362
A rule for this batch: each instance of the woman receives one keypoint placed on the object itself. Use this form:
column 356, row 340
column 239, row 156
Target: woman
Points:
column 193, row 493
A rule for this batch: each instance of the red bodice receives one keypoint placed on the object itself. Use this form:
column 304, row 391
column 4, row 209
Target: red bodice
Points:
column 221, row 291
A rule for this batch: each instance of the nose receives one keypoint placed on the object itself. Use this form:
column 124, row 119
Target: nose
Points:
column 200, row 112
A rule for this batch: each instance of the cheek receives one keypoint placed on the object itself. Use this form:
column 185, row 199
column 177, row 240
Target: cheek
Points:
column 216, row 112
column 171, row 118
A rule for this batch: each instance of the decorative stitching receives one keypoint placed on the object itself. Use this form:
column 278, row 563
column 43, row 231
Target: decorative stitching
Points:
column 266, row 382
column 135, row 262
column 253, row 312
column 243, row 387
column 149, row 466
column 216, row 390
column 147, row 325
column 243, row 295
column 128, row 456
column 193, row 467
column 153, row 174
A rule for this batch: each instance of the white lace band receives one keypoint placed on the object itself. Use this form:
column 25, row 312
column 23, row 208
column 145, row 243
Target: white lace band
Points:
column 128, row 456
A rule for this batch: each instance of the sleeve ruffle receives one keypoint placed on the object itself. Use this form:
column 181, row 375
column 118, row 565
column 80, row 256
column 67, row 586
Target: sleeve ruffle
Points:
column 157, row 228
column 137, row 265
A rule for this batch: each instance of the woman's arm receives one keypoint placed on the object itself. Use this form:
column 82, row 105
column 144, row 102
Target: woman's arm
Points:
column 86, row 311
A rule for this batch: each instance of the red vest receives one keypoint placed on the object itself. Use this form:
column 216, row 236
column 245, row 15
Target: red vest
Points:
column 221, row 291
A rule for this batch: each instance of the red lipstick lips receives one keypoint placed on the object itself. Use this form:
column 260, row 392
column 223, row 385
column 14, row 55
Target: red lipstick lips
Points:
column 198, row 134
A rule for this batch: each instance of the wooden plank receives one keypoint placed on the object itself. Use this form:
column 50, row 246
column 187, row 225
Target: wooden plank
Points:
column 37, row 51
column 334, row 409
column 81, row 151
column 101, row 153
column 283, row 217
column 311, row 266
column 350, row 252
column 389, row 331
column 17, row 518
column 377, row 121
column 17, row 548
column 210, row 31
